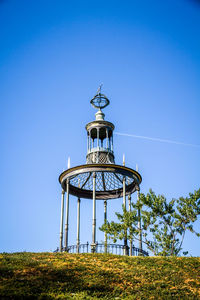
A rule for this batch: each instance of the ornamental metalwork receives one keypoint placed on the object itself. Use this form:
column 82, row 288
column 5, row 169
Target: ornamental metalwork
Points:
column 99, row 179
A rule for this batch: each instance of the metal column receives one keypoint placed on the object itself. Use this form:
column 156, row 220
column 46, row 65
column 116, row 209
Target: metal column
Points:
column 105, row 222
column 88, row 143
column 131, row 241
column 98, row 138
column 93, row 245
column 107, row 138
column 61, row 220
column 67, row 216
column 78, row 225
column 124, row 192
column 89, row 140
column 139, row 219
column 124, row 204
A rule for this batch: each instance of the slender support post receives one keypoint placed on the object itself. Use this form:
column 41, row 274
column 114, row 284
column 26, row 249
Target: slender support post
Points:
column 112, row 142
column 92, row 143
column 129, row 202
column 67, row 216
column 131, row 241
column 88, row 143
column 105, row 222
column 124, row 204
column 139, row 219
column 97, row 137
column 61, row 220
column 139, row 224
column 78, row 225
column 93, row 245
column 124, row 192
column 89, row 140
column 107, row 138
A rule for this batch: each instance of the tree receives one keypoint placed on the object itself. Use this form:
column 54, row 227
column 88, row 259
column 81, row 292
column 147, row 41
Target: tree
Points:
column 126, row 228
column 164, row 223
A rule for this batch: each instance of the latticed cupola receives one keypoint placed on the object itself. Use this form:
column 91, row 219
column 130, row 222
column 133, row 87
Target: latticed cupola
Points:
column 100, row 134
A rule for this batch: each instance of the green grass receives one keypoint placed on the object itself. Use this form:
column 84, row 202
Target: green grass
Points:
column 97, row 276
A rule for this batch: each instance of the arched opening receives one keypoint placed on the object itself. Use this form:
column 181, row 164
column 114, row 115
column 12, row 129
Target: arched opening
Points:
column 93, row 138
column 102, row 137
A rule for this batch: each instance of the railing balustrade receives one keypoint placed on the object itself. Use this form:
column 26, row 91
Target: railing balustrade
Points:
column 104, row 248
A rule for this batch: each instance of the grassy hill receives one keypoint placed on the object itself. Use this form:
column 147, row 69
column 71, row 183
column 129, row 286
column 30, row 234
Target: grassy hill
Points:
column 97, row 276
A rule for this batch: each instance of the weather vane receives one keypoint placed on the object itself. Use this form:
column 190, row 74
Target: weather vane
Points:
column 99, row 89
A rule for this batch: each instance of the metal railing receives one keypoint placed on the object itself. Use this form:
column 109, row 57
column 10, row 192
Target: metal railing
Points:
column 139, row 252
column 103, row 248
column 110, row 248
column 82, row 248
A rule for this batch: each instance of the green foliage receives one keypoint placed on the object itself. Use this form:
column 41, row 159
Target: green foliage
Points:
column 163, row 223
column 97, row 276
column 126, row 228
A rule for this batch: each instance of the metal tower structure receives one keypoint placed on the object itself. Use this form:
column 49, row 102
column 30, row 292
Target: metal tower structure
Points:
column 99, row 179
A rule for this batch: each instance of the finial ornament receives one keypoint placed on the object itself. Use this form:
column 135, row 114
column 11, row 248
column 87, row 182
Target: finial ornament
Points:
column 99, row 101
column 68, row 163
column 99, row 89
column 123, row 159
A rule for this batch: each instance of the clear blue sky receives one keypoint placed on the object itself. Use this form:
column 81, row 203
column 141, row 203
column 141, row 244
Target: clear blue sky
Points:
column 53, row 56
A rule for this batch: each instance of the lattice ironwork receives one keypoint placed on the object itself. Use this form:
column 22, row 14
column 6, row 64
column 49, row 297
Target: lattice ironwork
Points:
column 109, row 180
column 105, row 181
column 100, row 157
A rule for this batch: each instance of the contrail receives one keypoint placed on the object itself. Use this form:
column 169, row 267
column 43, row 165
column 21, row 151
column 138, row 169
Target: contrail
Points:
column 157, row 139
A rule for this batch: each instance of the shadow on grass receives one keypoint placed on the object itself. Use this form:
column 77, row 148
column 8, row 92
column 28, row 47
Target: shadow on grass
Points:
column 65, row 276
column 30, row 282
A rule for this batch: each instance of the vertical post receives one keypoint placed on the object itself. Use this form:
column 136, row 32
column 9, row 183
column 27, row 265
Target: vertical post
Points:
column 139, row 219
column 93, row 245
column 88, row 143
column 78, row 225
column 112, row 142
column 61, row 220
column 124, row 204
column 129, row 202
column 89, row 140
column 67, row 216
column 107, row 138
column 105, row 222
column 124, row 191
column 97, row 137
column 131, row 241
